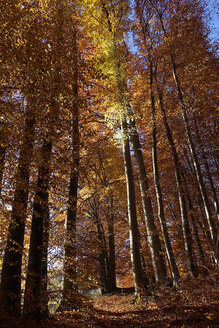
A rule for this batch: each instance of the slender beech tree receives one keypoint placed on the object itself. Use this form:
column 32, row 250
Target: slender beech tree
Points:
column 70, row 284
column 211, row 223
column 103, row 254
column 2, row 164
column 3, row 147
column 11, row 269
column 33, row 306
column 185, row 115
column 207, row 168
column 111, row 243
column 31, row 83
column 182, row 203
column 152, row 234
column 169, row 251
column 100, row 209
column 139, row 276
column 44, row 268
column 194, row 225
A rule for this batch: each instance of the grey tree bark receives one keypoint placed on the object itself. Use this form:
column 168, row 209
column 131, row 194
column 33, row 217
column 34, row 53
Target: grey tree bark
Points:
column 2, row 164
column 211, row 223
column 44, row 289
column 111, row 243
column 182, row 202
column 33, row 306
column 70, row 288
column 138, row 274
column 194, row 226
column 10, row 290
column 169, row 251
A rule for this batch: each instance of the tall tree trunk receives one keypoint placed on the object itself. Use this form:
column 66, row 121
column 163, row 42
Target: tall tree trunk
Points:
column 33, row 288
column 2, row 164
column 153, row 238
column 139, row 277
column 194, row 226
column 3, row 147
column 70, row 287
column 44, row 289
column 214, row 193
column 111, row 242
column 10, row 291
column 102, row 262
column 182, row 203
column 203, row 224
column 169, row 251
column 103, row 255
column 138, row 274
column 211, row 223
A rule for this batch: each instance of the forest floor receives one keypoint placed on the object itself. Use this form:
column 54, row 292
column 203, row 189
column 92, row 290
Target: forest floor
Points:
column 194, row 304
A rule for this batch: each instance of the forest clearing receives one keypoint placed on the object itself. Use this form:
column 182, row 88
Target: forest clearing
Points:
column 108, row 163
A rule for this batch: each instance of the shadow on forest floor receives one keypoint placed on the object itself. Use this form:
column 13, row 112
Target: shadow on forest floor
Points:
column 194, row 304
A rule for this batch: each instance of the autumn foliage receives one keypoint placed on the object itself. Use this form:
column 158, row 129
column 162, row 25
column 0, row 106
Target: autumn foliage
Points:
column 108, row 164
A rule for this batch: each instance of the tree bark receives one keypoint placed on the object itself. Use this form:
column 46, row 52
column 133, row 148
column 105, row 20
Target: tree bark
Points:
column 33, row 288
column 138, row 274
column 44, row 291
column 139, row 277
column 70, row 288
column 169, row 251
column 211, row 223
column 2, row 164
column 103, row 256
column 152, row 235
column 194, row 226
column 111, row 243
column 182, row 204
column 10, row 291
column 214, row 193
column 3, row 148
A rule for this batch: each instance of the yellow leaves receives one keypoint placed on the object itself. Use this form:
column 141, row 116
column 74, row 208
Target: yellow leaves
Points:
column 209, row 317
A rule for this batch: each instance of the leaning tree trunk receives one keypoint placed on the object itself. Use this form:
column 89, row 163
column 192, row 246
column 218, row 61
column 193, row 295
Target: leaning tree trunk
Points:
column 10, row 291
column 182, row 202
column 203, row 222
column 169, row 251
column 211, row 223
column 204, row 157
column 33, row 288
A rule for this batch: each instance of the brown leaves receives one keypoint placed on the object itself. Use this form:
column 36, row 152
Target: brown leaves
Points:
column 187, row 306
